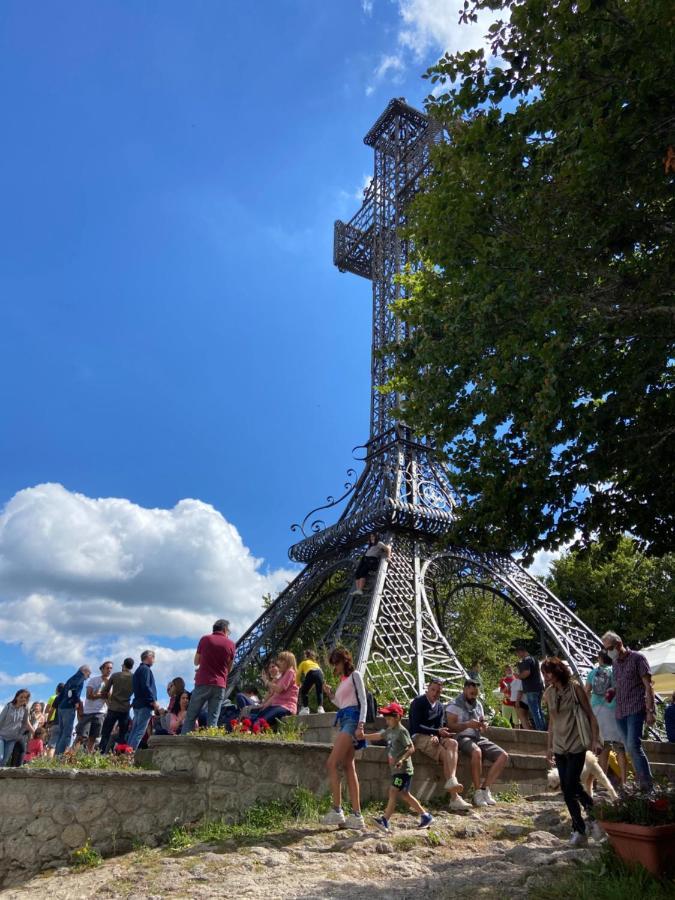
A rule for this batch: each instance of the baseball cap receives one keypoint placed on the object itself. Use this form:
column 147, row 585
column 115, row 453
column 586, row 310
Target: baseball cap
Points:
column 475, row 681
column 393, row 709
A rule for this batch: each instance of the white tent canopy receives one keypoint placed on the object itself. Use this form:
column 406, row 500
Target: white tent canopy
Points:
column 661, row 657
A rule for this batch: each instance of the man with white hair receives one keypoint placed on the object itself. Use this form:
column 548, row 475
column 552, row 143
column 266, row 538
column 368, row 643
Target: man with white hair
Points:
column 635, row 703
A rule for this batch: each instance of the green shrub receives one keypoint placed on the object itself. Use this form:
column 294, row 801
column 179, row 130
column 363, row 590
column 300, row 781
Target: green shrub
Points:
column 86, row 857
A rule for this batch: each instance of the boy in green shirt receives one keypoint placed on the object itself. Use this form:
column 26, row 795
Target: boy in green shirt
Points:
column 400, row 748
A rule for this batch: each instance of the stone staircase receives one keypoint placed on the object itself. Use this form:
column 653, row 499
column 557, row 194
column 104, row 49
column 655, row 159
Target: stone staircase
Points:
column 527, row 763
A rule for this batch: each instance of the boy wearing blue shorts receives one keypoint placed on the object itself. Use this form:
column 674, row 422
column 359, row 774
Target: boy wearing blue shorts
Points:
column 400, row 748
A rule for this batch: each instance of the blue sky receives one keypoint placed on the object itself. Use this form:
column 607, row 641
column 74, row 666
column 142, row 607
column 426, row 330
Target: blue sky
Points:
column 171, row 325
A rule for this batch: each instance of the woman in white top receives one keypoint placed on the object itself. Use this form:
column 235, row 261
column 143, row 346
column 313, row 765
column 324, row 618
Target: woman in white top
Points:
column 370, row 560
column 350, row 699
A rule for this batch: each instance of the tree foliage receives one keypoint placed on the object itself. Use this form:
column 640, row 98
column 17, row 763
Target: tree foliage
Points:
column 619, row 589
column 481, row 627
column 542, row 284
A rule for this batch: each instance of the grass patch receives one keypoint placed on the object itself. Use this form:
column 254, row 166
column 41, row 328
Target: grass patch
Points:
column 605, row 878
column 510, row 793
column 86, row 857
column 80, row 759
column 258, row 821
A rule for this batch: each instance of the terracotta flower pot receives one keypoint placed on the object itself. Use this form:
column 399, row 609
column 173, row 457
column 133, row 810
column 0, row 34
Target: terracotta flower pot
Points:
column 652, row 846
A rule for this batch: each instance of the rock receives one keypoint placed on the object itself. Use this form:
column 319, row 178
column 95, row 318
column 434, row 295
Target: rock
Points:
column 548, row 817
column 383, row 847
column 73, row 836
column 516, row 830
column 543, row 839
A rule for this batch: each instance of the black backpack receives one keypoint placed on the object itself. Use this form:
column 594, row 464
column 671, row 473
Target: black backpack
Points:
column 371, row 706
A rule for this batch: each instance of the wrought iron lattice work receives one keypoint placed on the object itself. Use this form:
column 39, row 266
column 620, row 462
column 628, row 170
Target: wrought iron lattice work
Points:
column 404, row 491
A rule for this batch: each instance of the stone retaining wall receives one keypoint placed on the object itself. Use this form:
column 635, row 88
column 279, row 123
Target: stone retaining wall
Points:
column 46, row 814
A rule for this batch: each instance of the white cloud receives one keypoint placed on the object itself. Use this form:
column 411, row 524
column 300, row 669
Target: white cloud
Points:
column 18, row 681
column 80, row 577
column 390, row 68
column 542, row 562
column 429, row 27
column 361, row 190
column 433, row 25
column 367, row 6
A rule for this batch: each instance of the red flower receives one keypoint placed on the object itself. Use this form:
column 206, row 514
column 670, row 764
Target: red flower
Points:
column 660, row 805
column 246, row 723
column 235, row 723
column 256, row 729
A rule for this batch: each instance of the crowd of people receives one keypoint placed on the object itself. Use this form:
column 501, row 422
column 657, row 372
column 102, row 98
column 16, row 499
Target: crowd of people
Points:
column 118, row 711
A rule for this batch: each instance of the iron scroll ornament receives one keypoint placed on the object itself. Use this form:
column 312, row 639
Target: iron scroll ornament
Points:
column 319, row 524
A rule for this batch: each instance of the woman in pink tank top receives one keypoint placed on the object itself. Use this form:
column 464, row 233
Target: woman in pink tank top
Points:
column 350, row 699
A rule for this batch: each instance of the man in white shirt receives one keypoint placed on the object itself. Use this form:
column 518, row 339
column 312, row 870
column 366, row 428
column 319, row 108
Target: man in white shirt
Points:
column 94, row 708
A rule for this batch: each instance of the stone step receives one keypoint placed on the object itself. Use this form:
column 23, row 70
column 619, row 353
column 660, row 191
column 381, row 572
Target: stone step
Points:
column 319, row 729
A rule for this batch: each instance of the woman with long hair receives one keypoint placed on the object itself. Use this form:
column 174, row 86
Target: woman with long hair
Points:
column 350, row 699
column 282, row 693
column 13, row 724
column 571, row 724
column 370, row 560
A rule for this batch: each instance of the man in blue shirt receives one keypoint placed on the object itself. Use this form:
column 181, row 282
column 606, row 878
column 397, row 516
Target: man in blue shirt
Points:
column 145, row 698
column 68, row 704
column 426, row 723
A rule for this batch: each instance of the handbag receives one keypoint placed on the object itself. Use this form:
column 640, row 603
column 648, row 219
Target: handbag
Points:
column 583, row 725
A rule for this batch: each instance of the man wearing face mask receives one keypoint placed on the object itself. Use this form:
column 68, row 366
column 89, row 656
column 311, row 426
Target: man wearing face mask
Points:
column 635, row 702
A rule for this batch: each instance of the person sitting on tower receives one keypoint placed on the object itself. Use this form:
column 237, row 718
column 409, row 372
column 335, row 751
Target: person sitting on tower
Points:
column 370, row 560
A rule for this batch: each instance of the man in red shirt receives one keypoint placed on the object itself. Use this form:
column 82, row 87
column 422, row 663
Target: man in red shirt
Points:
column 214, row 657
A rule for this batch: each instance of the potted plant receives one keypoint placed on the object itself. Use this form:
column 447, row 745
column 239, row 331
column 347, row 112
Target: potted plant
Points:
column 641, row 827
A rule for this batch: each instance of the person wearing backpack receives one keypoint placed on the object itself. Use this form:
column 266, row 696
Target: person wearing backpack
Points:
column 352, row 712
column 601, row 691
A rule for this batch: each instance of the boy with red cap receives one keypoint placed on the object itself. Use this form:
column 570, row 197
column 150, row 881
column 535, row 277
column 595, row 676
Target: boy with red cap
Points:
column 400, row 748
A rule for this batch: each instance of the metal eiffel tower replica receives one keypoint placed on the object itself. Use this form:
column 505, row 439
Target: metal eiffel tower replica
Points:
column 404, row 491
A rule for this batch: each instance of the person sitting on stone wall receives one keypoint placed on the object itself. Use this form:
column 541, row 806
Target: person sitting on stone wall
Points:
column 465, row 717
column 282, row 699
column 433, row 739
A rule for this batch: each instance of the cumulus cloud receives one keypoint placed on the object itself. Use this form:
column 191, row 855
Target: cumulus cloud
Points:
column 78, row 574
column 18, row 681
column 433, row 25
column 429, row 27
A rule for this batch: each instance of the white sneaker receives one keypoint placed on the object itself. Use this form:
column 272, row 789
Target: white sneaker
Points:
column 320, row 709
column 304, row 711
column 452, row 783
column 355, row 821
column 596, row 832
column 577, row 839
column 334, row 817
column 479, row 798
column 490, row 799
column 459, row 804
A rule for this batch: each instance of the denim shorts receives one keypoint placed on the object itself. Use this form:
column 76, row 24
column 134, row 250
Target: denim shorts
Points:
column 348, row 725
